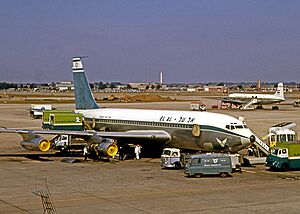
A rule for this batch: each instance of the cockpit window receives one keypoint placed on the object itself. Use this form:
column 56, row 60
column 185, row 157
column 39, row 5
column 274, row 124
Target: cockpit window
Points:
column 231, row 127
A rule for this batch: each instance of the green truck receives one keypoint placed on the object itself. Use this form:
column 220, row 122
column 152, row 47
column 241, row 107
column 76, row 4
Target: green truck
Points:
column 46, row 116
column 62, row 120
column 67, row 121
column 284, row 156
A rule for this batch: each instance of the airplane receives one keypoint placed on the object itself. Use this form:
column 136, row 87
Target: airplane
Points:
column 246, row 100
column 152, row 129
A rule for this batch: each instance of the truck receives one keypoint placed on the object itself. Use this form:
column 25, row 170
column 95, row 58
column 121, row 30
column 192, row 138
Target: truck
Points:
column 174, row 158
column 36, row 110
column 296, row 103
column 282, row 133
column 209, row 164
column 66, row 121
column 46, row 116
column 284, row 156
column 65, row 143
column 72, row 144
column 197, row 106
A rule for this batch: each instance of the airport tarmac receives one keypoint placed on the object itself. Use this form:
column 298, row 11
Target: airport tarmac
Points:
column 141, row 186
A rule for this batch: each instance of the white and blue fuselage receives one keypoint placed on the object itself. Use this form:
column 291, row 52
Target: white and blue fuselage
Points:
column 181, row 129
column 187, row 129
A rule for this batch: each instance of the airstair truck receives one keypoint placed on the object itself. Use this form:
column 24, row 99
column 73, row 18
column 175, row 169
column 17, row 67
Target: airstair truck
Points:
column 282, row 133
column 284, row 156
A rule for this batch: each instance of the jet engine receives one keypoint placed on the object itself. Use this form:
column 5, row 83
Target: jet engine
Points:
column 106, row 147
column 36, row 144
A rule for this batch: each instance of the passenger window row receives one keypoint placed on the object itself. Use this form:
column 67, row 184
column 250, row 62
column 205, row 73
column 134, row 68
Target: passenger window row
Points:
column 145, row 123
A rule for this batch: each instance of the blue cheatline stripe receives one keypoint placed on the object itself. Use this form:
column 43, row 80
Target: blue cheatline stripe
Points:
column 166, row 125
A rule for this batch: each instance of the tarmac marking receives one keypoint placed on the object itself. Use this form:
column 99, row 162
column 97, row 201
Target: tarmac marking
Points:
column 100, row 197
column 19, row 208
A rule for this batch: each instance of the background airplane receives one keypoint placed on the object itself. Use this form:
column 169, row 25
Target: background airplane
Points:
column 246, row 100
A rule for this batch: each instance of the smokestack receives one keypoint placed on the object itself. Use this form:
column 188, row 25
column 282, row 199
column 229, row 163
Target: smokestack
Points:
column 258, row 85
column 161, row 78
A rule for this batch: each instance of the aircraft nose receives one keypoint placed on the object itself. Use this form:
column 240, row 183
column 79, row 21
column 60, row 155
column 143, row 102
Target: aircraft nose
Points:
column 252, row 138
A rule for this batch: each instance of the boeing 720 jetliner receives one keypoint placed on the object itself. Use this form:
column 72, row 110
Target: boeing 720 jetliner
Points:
column 255, row 99
column 190, row 130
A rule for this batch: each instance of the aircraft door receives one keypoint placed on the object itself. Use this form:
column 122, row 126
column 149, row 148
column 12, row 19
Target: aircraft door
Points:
column 196, row 131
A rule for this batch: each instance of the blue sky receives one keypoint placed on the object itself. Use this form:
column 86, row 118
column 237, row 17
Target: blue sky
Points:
column 131, row 41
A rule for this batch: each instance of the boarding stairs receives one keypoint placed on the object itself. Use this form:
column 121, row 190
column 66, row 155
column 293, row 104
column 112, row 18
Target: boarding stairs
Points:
column 257, row 158
column 261, row 145
column 41, row 190
column 252, row 101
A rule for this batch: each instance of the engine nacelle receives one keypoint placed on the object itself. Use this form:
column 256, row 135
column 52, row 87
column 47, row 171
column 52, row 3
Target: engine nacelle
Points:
column 107, row 147
column 36, row 144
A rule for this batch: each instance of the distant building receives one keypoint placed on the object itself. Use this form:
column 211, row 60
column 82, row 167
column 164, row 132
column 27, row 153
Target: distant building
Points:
column 215, row 89
column 64, row 86
column 142, row 86
column 191, row 89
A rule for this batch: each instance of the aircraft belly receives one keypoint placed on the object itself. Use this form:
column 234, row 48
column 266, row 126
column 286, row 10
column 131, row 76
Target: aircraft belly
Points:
column 207, row 141
column 183, row 138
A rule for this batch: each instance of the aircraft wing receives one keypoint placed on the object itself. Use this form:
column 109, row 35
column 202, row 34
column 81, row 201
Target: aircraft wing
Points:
column 159, row 135
column 233, row 101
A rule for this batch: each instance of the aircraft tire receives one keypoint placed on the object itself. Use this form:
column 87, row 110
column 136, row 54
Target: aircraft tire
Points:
column 285, row 167
column 223, row 174
column 177, row 165
column 198, row 175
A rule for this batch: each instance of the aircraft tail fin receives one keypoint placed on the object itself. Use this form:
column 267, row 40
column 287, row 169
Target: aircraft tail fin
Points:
column 84, row 98
column 279, row 92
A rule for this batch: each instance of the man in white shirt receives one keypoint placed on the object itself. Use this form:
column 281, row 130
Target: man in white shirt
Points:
column 137, row 151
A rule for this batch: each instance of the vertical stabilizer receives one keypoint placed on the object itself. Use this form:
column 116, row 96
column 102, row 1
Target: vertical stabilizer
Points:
column 279, row 92
column 84, row 98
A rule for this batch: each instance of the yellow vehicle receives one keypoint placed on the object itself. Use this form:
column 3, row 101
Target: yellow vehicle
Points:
column 282, row 133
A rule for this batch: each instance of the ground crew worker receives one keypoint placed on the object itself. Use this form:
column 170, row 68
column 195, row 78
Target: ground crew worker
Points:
column 85, row 153
column 121, row 153
column 137, row 151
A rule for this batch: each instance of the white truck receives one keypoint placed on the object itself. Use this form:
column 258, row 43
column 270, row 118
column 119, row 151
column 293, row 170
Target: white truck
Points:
column 174, row 158
column 197, row 106
column 282, row 133
column 36, row 110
